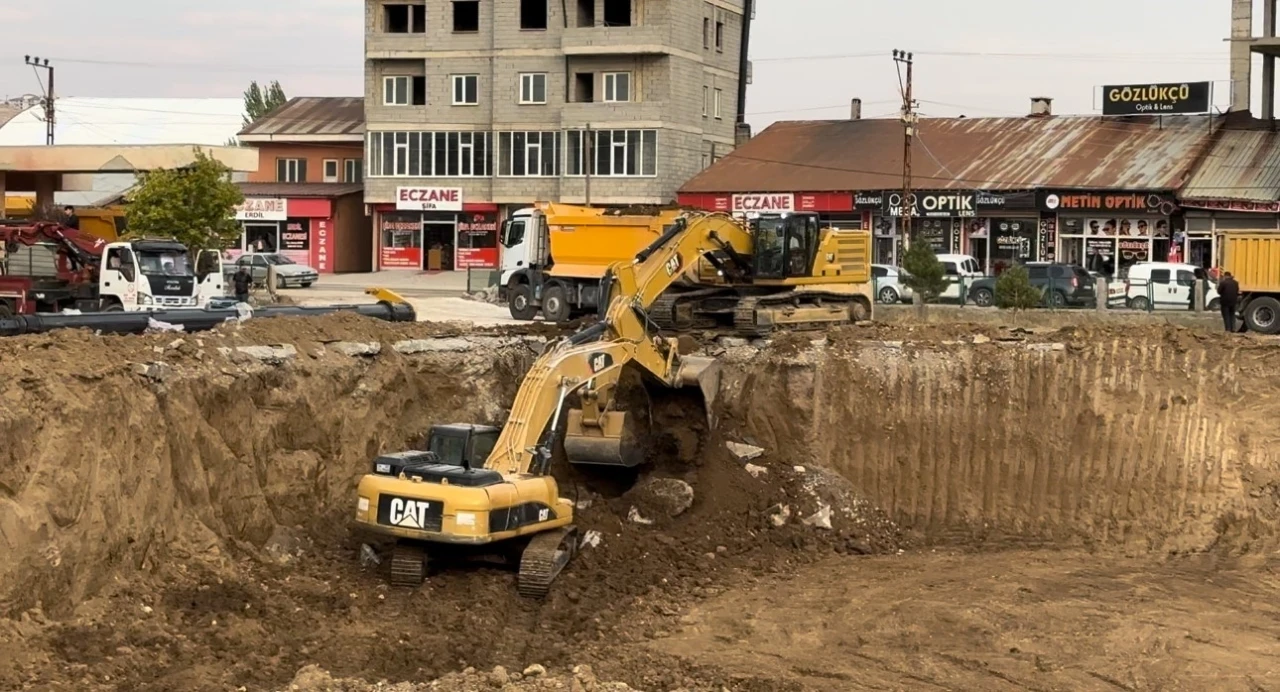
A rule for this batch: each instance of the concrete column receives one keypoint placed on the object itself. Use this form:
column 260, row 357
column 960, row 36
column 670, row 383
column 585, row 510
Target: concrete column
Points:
column 2, row 195
column 1241, row 65
column 46, row 183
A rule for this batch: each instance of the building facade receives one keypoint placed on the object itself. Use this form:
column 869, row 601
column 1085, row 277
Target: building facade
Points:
column 306, row 200
column 476, row 108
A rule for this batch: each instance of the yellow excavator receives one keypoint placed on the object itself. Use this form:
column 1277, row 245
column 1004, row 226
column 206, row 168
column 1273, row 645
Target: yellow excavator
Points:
column 481, row 487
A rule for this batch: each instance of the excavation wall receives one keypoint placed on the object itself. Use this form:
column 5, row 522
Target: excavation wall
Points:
column 1147, row 439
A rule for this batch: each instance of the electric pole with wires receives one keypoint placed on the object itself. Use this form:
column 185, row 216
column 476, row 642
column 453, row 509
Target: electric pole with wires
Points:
column 38, row 63
column 909, row 120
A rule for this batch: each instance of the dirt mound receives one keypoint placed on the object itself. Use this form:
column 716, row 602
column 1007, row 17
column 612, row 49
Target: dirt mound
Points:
column 534, row 678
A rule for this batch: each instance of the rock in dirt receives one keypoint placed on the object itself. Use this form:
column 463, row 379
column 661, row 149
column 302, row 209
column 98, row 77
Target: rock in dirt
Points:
column 634, row 516
column 754, row 470
column 744, row 452
column 273, row 355
column 534, row 670
column 779, row 514
column 357, row 348
column 669, row 497
column 820, row 519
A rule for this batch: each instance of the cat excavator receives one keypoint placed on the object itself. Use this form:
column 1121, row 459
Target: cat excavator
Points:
column 487, row 488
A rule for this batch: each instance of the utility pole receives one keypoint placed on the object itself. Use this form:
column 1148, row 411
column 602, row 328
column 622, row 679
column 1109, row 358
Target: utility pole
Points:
column 39, row 63
column 909, row 119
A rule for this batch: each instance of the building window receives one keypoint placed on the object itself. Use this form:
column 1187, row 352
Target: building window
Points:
column 617, row 87
column 533, row 14
column 706, row 32
column 466, row 90
column 612, row 153
column 351, row 172
column 330, row 170
column 706, row 100
column 706, row 160
column 529, row 153
column 720, row 36
column 617, row 12
column 402, row 90
column 429, row 155
column 466, row 16
column 533, row 88
column 716, row 104
column 291, row 170
column 586, row 13
column 584, row 87
column 404, row 19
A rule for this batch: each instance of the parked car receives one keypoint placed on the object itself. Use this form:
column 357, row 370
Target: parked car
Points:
column 960, row 271
column 890, row 288
column 288, row 272
column 1061, row 284
column 1162, row 285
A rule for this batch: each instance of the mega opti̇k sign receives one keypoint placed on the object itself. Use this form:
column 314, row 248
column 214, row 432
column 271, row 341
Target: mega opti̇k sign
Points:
column 429, row 198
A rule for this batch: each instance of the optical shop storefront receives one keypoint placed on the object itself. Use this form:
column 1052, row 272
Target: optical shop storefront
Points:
column 1107, row 232
column 434, row 229
column 997, row 229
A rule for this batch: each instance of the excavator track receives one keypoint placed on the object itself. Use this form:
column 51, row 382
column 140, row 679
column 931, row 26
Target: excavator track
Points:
column 544, row 558
column 663, row 312
column 408, row 566
column 746, row 320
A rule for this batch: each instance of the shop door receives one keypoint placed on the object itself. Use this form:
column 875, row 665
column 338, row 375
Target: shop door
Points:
column 438, row 242
column 261, row 237
column 1200, row 252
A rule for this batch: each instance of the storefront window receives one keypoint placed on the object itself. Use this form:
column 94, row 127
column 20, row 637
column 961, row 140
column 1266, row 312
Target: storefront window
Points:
column 401, row 236
column 1110, row 246
column 935, row 232
column 478, row 241
column 261, row 237
column 1012, row 242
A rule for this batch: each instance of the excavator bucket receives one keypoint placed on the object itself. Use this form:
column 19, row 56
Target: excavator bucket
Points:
column 611, row 441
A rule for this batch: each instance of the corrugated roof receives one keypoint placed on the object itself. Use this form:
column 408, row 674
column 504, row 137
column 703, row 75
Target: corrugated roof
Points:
column 1241, row 165
column 85, row 120
column 299, row 189
column 982, row 153
column 312, row 115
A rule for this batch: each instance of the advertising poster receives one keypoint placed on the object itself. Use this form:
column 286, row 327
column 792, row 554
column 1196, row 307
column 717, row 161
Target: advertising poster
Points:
column 295, row 240
column 401, row 242
column 477, row 241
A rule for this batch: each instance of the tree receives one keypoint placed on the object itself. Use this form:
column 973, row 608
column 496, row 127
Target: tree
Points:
column 258, row 103
column 194, row 205
column 925, row 274
column 1014, row 290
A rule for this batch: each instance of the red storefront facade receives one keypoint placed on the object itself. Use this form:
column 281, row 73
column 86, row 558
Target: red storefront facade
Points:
column 320, row 225
column 435, row 229
column 834, row 207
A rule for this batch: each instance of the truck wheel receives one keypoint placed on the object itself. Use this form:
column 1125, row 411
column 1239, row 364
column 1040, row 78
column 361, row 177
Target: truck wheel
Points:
column 520, row 302
column 5, row 310
column 983, row 298
column 113, row 306
column 555, row 304
column 1057, row 299
column 1139, row 303
column 1263, row 315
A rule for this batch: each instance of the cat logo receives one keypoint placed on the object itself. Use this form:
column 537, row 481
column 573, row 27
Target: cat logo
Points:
column 411, row 514
column 673, row 265
column 599, row 361
column 543, row 514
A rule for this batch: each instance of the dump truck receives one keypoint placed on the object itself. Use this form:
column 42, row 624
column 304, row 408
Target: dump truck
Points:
column 1254, row 260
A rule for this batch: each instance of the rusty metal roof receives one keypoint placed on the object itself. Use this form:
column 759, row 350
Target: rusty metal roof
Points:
column 1241, row 165
column 967, row 153
column 312, row 118
column 299, row 189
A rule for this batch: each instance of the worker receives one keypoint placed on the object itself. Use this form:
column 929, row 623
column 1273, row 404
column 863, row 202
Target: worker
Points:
column 241, row 282
column 71, row 220
column 1228, row 296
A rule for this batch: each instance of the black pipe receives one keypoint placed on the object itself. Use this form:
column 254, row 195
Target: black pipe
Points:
column 189, row 320
column 592, row 333
column 670, row 232
column 743, row 62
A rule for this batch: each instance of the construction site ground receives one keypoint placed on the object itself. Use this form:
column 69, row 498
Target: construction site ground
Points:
column 1064, row 503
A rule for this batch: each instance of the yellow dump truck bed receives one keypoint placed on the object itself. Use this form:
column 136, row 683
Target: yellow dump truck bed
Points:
column 1254, row 260
column 585, row 241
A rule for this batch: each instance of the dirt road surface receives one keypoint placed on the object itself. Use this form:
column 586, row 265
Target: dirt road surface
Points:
column 947, row 506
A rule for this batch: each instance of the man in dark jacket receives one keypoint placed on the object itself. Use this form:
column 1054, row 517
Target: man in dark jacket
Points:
column 70, row 220
column 1228, row 297
column 241, row 282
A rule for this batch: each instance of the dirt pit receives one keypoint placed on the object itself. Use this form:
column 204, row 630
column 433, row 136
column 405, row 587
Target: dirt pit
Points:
column 176, row 515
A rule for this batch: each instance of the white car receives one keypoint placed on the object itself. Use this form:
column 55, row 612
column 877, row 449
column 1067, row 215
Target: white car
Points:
column 1162, row 285
column 959, row 271
column 890, row 288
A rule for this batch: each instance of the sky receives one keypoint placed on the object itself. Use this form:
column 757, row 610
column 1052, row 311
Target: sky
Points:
column 977, row 58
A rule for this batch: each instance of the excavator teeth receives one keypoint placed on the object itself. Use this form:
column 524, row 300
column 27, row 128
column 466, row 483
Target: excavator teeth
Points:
column 543, row 559
column 408, row 566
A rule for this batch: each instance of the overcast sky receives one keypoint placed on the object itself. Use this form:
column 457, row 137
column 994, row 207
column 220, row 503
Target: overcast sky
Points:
column 984, row 57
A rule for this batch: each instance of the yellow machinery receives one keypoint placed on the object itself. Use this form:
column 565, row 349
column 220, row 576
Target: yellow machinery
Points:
column 480, row 486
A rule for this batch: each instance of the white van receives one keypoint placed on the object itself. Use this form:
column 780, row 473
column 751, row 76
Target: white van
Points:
column 1164, row 285
column 959, row 271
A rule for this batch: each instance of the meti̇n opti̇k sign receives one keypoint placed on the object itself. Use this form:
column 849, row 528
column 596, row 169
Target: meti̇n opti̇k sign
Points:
column 1182, row 98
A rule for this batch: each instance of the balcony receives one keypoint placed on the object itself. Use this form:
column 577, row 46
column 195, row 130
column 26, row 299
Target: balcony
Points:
column 616, row 40
column 387, row 45
column 575, row 115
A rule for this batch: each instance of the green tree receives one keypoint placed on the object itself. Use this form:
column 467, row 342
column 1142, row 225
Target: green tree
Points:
column 258, row 102
column 1014, row 290
column 194, row 205
column 925, row 274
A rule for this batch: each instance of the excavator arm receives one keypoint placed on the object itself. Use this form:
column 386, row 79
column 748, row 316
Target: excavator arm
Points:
column 590, row 362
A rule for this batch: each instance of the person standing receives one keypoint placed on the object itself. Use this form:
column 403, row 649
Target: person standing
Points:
column 1228, row 296
column 70, row 220
column 240, row 282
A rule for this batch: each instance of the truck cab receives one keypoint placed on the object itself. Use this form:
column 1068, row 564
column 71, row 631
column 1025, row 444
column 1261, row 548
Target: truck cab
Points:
column 156, row 274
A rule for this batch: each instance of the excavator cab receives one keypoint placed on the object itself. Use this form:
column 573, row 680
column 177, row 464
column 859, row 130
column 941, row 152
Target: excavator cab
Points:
column 785, row 245
column 460, row 444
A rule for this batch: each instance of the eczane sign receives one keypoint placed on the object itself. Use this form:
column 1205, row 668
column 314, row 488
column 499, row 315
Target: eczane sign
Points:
column 429, row 198
column 763, row 203
column 262, row 209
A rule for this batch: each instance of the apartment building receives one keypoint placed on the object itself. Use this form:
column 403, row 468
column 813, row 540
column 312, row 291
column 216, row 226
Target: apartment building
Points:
column 478, row 107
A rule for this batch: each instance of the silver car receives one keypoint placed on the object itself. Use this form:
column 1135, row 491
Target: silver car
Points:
column 890, row 288
column 288, row 273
